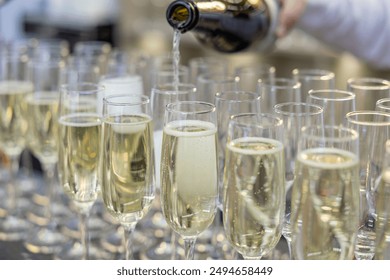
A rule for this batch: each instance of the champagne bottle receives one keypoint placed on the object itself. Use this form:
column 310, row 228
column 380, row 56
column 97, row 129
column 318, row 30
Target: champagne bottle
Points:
column 227, row 26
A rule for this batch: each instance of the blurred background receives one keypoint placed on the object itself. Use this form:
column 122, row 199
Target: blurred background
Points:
column 141, row 25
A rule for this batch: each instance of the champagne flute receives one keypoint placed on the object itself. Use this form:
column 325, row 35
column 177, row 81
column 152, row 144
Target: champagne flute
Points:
column 80, row 148
column 374, row 130
column 14, row 87
column 189, row 172
column 23, row 48
column 42, row 133
column 114, row 84
column 325, row 199
column 161, row 96
column 254, row 184
column 80, row 70
column 228, row 103
column 294, row 117
column 382, row 228
column 128, row 161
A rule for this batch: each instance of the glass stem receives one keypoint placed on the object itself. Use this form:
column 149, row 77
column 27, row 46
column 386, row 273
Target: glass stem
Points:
column 217, row 227
column 189, row 248
column 84, row 233
column 173, row 245
column 289, row 249
column 49, row 171
column 128, row 231
column 12, row 188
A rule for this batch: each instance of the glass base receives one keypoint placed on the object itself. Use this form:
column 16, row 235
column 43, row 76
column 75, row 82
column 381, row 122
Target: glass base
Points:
column 38, row 216
column 13, row 228
column 97, row 227
column 113, row 242
column 163, row 251
column 22, row 206
column 74, row 251
column 46, row 240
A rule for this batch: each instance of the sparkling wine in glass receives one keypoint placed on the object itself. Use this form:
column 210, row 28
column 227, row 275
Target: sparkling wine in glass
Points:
column 14, row 87
column 325, row 198
column 189, row 184
column 228, row 103
column 254, row 184
column 80, row 150
column 128, row 174
column 161, row 96
column 42, row 135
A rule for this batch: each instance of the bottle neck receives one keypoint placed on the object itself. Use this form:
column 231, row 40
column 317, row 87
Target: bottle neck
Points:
column 227, row 26
column 182, row 15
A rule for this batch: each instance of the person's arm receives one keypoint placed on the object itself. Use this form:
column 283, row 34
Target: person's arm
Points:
column 360, row 27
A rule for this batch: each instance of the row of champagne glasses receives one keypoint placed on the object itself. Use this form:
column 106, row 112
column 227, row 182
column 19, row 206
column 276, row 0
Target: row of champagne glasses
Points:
column 331, row 208
column 346, row 222
column 32, row 76
column 325, row 196
column 279, row 100
column 223, row 90
column 12, row 140
column 113, row 83
column 330, row 96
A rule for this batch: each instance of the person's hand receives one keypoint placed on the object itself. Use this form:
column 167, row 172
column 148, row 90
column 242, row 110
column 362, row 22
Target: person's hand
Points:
column 291, row 11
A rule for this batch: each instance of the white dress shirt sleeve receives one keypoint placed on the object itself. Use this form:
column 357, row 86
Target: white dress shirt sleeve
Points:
column 360, row 27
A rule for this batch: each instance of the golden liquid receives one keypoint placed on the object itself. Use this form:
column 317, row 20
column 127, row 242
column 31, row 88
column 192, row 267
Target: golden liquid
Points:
column 128, row 166
column 189, row 176
column 13, row 123
column 254, row 198
column 325, row 204
column 180, row 14
column 42, row 120
column 80, row 148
